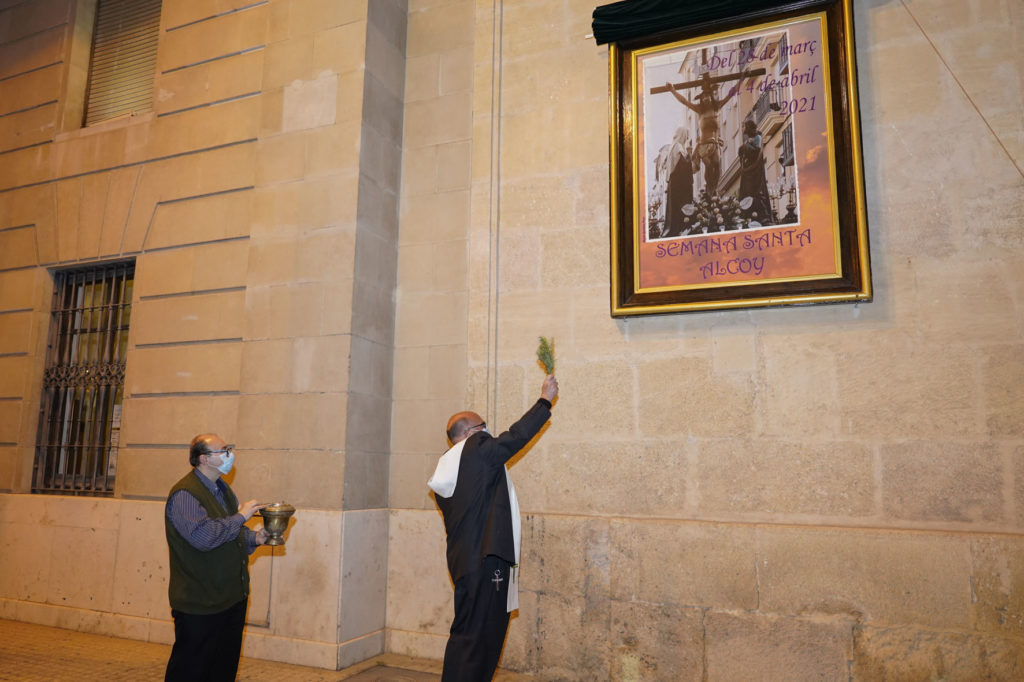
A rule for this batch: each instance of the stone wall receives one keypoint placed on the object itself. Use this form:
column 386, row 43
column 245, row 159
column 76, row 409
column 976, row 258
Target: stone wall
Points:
column 352, row 219
column 830, row 492
column 259, row 199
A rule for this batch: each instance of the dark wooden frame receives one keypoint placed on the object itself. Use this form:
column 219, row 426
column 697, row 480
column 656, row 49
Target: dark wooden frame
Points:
column 851, row 282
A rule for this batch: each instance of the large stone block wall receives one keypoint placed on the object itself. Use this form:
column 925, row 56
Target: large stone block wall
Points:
column 95, row 565
column 811, row 493
column 259, row 199
column 430, row 340
column 815, row 493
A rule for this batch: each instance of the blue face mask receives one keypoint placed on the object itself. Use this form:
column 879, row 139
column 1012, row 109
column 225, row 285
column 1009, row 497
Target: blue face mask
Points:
column 227, row 460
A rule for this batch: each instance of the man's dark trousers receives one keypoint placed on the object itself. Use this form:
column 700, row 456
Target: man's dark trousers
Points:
column 206, row 647
column 481, row 621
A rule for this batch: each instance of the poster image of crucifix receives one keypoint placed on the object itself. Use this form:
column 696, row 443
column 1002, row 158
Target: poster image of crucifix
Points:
column 737, row 176
column 705, row 128
column 721, row 122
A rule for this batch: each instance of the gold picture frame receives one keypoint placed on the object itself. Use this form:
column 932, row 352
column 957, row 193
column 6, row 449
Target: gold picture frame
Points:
column 736, row 169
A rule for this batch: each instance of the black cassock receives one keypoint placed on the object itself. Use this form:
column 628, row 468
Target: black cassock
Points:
column 481, row 548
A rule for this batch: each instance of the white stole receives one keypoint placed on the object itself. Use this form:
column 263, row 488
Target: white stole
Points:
column 517, row 533
column 443, row 482
column 446, row 475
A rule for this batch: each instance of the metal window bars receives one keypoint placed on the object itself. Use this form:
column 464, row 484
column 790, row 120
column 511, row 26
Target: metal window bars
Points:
column 83, row 384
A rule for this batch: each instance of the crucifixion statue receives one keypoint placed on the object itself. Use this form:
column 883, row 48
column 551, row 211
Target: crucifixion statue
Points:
column 707, row 107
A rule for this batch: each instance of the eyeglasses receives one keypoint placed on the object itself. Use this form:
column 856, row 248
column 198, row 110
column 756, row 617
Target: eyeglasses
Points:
column 475, row 426
column 228, row 449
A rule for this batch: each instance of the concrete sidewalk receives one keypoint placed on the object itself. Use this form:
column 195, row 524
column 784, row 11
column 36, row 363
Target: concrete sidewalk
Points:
column 35, row 653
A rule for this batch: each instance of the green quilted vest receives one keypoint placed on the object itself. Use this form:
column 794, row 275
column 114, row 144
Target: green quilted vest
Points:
column 206, row 582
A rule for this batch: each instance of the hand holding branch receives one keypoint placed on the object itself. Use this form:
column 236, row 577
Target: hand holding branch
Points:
column 549, row 390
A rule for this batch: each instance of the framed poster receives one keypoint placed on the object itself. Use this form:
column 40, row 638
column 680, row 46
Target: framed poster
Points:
column 736, row 165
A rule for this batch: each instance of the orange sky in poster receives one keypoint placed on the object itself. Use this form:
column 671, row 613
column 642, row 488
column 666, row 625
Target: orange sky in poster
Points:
column 807, row 249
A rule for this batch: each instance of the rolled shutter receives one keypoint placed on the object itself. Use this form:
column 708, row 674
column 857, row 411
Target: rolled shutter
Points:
column 123, row 60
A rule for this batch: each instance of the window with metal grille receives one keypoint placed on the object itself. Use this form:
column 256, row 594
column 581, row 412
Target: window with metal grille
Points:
column 123, row 59
column 83, row 386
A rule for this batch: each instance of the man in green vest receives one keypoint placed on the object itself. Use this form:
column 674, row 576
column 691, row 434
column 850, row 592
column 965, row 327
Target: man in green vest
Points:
column 209, row 551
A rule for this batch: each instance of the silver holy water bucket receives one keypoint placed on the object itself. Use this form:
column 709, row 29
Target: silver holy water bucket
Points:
column 275, row 520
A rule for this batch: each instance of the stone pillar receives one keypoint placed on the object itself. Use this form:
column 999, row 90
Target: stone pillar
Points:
column 319, row 327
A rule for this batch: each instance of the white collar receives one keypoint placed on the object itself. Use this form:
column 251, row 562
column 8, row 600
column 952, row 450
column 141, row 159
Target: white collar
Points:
column 446, row 475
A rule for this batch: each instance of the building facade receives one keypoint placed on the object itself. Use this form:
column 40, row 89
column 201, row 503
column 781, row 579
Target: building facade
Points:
column 349, row 219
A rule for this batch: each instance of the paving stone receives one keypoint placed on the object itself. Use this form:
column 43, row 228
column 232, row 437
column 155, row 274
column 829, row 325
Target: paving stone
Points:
column 36, row 653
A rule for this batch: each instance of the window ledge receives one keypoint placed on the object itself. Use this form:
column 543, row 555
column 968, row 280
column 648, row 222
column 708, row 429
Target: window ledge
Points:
column 123, row 121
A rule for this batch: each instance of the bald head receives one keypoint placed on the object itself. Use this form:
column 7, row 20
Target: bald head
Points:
column 203, row 444
column 461, row 424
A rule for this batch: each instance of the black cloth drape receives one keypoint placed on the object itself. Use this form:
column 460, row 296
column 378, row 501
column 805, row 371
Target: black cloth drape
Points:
column 627, row 19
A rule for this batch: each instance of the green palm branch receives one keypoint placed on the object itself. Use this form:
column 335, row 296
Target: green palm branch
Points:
column 546, row 354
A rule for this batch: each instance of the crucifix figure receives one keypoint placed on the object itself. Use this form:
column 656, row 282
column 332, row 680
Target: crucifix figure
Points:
column 707, row 107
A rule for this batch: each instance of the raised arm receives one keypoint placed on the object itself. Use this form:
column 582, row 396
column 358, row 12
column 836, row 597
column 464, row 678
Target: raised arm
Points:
column 503, row 447
column 682, row 100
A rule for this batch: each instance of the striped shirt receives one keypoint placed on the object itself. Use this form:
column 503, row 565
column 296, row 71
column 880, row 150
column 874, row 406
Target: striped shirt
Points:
column 195, row 525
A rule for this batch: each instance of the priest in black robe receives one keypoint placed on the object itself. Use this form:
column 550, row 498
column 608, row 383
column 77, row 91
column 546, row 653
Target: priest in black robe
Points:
column 481, row 518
